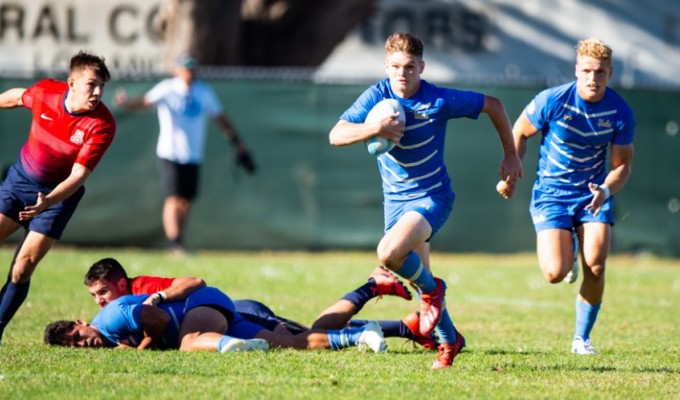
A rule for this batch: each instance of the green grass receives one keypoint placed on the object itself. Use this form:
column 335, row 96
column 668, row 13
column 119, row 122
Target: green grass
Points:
column 517, row 326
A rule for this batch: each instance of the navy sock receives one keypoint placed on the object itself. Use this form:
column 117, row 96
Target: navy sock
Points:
column 390, row 328
column 13, row 295
column 360, row 296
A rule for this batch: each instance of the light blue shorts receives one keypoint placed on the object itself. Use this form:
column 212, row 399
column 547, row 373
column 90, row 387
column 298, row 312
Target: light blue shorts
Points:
column 553, row 208
column 435, row 209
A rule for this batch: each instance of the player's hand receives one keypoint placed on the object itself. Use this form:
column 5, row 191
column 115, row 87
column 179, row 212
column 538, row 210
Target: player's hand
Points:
column 598, row 199
column 31, row 211
column 120, row 98
column 245, row 161
column 505, row 189
column 391, row 128
column 153, row 300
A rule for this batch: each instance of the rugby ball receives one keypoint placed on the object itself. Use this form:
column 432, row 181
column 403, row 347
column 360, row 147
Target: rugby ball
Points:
column 377, row 144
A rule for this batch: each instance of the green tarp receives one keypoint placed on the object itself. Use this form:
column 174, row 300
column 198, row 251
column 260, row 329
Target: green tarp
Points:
column 310, row 195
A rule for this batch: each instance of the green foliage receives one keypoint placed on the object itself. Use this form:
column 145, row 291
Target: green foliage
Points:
column 518, row 329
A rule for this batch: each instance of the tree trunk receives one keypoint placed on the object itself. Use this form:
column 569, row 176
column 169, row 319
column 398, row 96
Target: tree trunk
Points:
column 261, row 32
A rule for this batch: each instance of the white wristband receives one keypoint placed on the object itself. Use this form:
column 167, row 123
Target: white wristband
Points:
column 605, row 189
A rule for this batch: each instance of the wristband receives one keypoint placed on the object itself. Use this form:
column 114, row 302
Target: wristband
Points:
column 162, row 296
column 605, row 189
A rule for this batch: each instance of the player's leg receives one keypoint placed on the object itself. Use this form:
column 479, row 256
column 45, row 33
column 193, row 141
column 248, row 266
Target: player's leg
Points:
column 29, row 252
column 380, row 282
column 555, row 253
column 175, row 214
column 596, row 243
column 203, row 328
column 396, row 252
column 367, row 336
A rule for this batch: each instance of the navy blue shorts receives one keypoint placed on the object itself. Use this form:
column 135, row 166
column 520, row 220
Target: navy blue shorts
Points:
column 260, row 314
column 19, row 191
column 179, row 179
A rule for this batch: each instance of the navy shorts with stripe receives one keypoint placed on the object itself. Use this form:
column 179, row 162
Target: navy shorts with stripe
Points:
column 19, row 191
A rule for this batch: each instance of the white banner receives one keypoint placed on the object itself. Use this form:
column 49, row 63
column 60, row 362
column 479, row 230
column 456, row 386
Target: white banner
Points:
column 38, row 35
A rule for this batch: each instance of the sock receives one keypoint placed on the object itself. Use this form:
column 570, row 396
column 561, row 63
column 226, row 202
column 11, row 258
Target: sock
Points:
column 361, row 295
column 339, row 339
column 414, row 271
column 586, row 314
column 13, row 295
column 445, row 329
column 390, row 328
column 223, row 342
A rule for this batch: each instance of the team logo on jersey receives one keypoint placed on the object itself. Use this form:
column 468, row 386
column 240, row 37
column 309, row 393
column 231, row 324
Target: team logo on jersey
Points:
column 421, row 113
column 77, row 137
column 567, row 117
column 604, row 123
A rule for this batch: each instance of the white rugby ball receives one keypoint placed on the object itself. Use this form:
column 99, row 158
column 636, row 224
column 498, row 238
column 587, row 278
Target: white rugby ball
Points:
column 386, row 107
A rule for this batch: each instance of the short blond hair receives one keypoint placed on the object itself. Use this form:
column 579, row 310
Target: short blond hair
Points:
column 404, row 42
column 593, row 47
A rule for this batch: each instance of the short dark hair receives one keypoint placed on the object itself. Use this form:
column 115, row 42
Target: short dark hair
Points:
column 85, row 60
column 55, row 332
column 108, row 269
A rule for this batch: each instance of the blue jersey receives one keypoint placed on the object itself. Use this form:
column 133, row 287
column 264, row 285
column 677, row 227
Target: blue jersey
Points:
column 415, row 168
column 120, row 320
column 577, row 134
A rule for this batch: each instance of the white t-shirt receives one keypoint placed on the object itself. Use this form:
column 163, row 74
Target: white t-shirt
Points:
column 182, row 115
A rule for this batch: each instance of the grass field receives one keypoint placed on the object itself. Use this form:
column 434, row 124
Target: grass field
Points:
column 518, row 330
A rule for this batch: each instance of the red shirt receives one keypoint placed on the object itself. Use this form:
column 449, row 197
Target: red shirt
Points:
column 149, row 284
column 58, row 139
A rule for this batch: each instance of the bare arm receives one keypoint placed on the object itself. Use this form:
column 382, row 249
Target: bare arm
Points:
column 521, row 132
column 346, row 133
column 12, row 98
column 153, row 322
column 179, row 290
column 122, row 100
column 64, row 190
column 622, row 165
column 511, row 166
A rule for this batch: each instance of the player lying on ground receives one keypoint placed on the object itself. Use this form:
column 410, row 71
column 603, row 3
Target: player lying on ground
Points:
column 107, row 280
column 206, row 320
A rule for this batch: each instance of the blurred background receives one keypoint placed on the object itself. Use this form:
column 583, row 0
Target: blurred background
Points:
column 285, row 70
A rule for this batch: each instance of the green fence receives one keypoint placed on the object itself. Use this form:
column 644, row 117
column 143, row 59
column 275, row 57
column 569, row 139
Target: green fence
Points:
column 310, row 195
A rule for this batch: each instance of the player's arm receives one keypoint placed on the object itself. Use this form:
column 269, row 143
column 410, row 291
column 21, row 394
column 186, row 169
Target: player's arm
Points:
column 179, row 290
column 622, row 165
column 243, row 157
column 122, row 100
column 346, row 133
column 522, row 130
column 64, row 190
column 511, row 166
column 11, row 98
column 153, row 321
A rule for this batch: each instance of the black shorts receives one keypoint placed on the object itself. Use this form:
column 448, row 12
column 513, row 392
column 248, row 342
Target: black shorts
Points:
column 179, row 179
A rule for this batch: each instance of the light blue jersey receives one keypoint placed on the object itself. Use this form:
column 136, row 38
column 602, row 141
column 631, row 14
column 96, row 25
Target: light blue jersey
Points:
column 120, row 320
column 576, row 135
column 416, row 168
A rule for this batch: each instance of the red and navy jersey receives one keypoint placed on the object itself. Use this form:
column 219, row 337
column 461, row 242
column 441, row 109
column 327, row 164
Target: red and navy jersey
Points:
column 58, row 139
column 149, row 284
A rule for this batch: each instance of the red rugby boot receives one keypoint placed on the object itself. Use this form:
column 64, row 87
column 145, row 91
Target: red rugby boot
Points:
column 431, row 306
column 386, row 283
column 447, row 352
column 412, row 322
